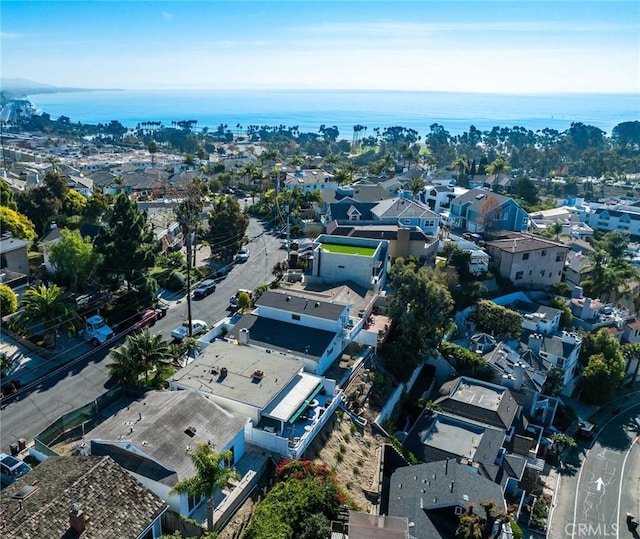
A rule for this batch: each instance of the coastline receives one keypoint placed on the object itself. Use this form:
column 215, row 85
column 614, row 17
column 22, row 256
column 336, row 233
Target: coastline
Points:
column 308, row 109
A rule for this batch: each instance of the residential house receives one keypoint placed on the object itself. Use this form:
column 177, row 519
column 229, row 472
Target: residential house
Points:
column 526, row 260
column 151, row 438
column 403, row 242
column 560, row 351
column 537, row 318
column 310, row 181
column 438, row 436
column 479, row 210
column 338, row 259
column 632, row 331
column 399, row 211
column 308, row 327
column 610, row 217
column 480, row 401
column 80, row 497
column 525, row 374
column 14, row 261
column 592, row 314
column 433, row 496
column 285, row 406
column 81, row 184
column 439, row 197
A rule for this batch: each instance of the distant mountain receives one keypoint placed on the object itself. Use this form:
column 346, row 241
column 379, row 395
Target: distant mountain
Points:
column 23, row 87
column 19, row 84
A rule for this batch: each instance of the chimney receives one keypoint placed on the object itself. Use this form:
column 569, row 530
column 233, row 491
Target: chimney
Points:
column 243, row 336
column 77, row 519
column 518, row 375
column 535, row 342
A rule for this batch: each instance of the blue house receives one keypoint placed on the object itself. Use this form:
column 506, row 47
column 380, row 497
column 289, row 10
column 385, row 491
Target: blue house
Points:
column 479, row 210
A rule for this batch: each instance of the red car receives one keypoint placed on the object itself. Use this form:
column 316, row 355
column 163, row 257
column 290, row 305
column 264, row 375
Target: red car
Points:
column 147, row 318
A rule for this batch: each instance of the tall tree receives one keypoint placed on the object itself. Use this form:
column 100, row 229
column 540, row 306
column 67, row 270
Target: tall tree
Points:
column 73, row 256
column 227, row 227
column 212, row 471
column 188, row 215
column 420, row 306
column 126, row 243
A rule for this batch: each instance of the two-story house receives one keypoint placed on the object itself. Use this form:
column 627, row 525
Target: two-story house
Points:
column 528, row 261
column 479, row 210
column 560, row 351
column 283, row 406
column 313, row 329
column 309, row 181
column 339, row 259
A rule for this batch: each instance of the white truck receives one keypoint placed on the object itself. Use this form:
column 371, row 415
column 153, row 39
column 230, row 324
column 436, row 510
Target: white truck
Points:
column 96, row 330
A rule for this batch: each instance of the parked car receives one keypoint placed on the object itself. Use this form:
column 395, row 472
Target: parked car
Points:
column 243, row 255
column 147, row 318
column 11, row 468
column 197, row 327
column 586, row 430
column 206, row 287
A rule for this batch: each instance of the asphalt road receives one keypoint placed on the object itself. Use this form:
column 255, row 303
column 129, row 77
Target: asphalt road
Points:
column 80, row 384
column 599, row 484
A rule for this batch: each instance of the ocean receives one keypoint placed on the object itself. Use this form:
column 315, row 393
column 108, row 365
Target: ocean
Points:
column 309, row 109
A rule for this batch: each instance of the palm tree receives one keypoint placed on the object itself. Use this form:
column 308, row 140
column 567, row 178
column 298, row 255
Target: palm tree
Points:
column 212, row 470
column 461, row 164
column 153, row 149
column 140, row 353
column 556, row 229
column 43, row 310
column 498, row 166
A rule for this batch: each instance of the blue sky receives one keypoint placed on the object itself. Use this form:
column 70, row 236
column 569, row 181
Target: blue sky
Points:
column 439, row 45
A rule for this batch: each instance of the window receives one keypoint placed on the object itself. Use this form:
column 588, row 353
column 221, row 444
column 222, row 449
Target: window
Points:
column 559, row 257
column 525, row 256
column 295, row 316
column 544, row 253
column 519, row 275
column 541, row 273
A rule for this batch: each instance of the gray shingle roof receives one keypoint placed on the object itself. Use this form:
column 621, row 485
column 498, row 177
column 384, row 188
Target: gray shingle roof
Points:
column 418, row 492
column 116, row 504
column 286, row 301
column 284, row 337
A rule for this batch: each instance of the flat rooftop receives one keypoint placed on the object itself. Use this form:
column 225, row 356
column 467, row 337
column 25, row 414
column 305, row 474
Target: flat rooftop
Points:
column 239, row 385
column 477, row 395
column 347, row 249
column 453, row 436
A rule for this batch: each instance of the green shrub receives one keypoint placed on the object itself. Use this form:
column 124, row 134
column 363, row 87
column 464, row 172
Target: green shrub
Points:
column 8, row 300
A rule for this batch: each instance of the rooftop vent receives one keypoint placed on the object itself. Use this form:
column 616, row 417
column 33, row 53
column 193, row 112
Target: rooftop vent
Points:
column 258, row 375
column 190, row 431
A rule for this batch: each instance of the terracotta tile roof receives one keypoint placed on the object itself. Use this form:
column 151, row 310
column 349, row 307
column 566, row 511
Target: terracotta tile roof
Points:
column 115, row 503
